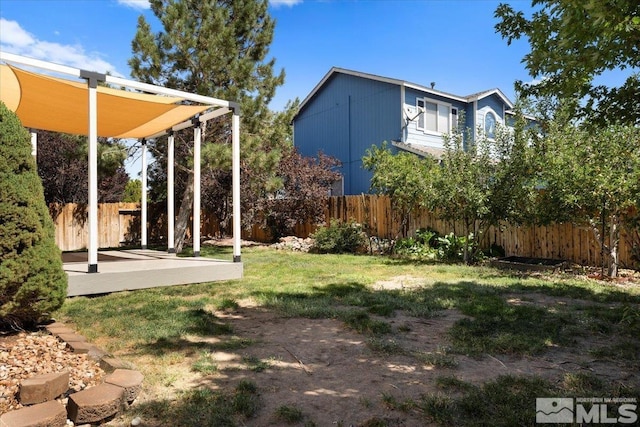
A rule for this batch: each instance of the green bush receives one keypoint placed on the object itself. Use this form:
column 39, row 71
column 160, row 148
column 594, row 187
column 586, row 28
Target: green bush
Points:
column 450, row 247
column 339, row 237
column 32, row 281
column 422, row 246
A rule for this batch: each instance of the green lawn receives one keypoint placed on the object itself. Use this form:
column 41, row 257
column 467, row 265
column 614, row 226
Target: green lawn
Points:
column 151, row 326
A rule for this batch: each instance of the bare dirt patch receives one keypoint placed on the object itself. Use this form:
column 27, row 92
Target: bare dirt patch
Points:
column 338, row 377
column 335, row 376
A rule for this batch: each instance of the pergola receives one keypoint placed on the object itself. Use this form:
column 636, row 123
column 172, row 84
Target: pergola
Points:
column 138, row 110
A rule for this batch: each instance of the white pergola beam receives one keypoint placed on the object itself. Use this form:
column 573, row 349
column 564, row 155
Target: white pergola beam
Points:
column 34, row 144
column 213, row 114
column 159, row 90
column 143, row 201
column 31, row 62
column 93, row 176
column 171, row 215
column 197, row 135
column 235, row 174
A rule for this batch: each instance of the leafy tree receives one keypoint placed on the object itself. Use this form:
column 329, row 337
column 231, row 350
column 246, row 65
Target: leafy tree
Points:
column 573, row 43
column 219, row 49
column 405, row 177
column 32, row 282
column 465, row 185
column 63, row 166
column 133, row 191
column 591, row 176
column 485, row 181
column 306, row 185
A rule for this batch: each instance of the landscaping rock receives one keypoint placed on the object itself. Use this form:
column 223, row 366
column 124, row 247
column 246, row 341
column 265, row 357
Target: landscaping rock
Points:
column 80, row 347
column 59, row 328
column 73, row 337
column 293, row 243
column 96, row 353
column 49, row 414
column 129, row 380
column 95, row 404
column 43, row 388
column 110, row 364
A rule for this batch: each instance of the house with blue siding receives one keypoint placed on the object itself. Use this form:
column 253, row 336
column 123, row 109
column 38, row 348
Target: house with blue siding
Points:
column 349, row 111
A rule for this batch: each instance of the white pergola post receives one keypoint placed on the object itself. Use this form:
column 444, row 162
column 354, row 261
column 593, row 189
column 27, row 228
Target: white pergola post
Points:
column 197, row 134
column 143, row 201
column 92, row 82
column 171, row 216
column 235, row 173
column 34, row 144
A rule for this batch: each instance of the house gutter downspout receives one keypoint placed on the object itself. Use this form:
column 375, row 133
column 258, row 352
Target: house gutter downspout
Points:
column 349, row 139
column 475, row 117
column 403, row 129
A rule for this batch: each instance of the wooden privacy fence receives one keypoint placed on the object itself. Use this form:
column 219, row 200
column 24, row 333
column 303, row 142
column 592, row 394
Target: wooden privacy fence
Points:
column 119, row 223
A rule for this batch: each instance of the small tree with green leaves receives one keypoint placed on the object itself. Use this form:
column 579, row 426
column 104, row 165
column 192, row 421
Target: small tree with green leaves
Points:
column 133, row 191
column 32, row 281
column 485, row 181
column 406, row 178
column 592, row 177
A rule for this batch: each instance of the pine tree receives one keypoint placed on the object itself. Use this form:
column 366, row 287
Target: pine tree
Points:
column 32, row 281
column 215, row 48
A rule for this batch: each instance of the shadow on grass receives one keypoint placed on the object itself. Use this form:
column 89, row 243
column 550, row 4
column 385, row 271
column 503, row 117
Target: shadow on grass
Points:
column 494, row 325
column 204, row 407
column 161, row 321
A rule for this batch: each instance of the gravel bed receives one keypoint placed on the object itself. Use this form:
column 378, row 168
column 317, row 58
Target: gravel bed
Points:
column 28, row 354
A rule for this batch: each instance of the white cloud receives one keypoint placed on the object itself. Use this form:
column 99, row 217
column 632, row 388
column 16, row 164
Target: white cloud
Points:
column 135, row 4
column 290, row 3
column 15, row 39
column 13, row 35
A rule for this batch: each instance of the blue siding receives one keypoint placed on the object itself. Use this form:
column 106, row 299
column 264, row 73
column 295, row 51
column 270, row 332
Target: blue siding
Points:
column 469, row 117
column 420, row 137
column 495, row 103
column 350, row 113
column 346, row 117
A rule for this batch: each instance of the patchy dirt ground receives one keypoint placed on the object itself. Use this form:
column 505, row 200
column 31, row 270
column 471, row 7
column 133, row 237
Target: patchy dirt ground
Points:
column 335, row 376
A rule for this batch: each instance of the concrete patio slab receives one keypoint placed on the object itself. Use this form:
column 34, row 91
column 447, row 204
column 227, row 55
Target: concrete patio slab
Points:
column 142, row 268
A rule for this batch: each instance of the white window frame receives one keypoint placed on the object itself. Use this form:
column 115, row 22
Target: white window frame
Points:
column 420, row 117
column 495, row 124
column 453, row 125
column 423, row 118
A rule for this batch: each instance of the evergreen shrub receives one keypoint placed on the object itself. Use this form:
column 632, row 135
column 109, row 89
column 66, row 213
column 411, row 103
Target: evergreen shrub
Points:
column 32, row 282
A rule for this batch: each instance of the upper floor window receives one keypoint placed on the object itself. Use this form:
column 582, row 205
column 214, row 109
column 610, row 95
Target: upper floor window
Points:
column 490, row 125
column 436, row 117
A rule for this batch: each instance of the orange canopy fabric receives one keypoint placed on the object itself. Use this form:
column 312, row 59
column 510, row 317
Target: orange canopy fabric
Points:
column 55, row 104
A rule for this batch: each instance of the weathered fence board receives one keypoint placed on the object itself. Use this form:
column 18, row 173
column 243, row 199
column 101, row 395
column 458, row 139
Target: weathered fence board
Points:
column 119, row 223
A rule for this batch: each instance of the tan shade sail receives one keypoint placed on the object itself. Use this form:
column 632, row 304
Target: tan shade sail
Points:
column 50, row 103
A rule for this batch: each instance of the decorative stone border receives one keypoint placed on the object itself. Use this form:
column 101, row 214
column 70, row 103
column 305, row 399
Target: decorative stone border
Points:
column 91, row 405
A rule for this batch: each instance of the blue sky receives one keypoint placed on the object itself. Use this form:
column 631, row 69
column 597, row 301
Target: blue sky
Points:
column 451, row 43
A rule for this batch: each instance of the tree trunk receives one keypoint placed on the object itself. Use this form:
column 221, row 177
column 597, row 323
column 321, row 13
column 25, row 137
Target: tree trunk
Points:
column 465, row 251
column 614, row 242
column 184, row 214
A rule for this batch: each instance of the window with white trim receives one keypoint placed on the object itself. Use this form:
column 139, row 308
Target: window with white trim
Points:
column 436, row 117
column 490, row 125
